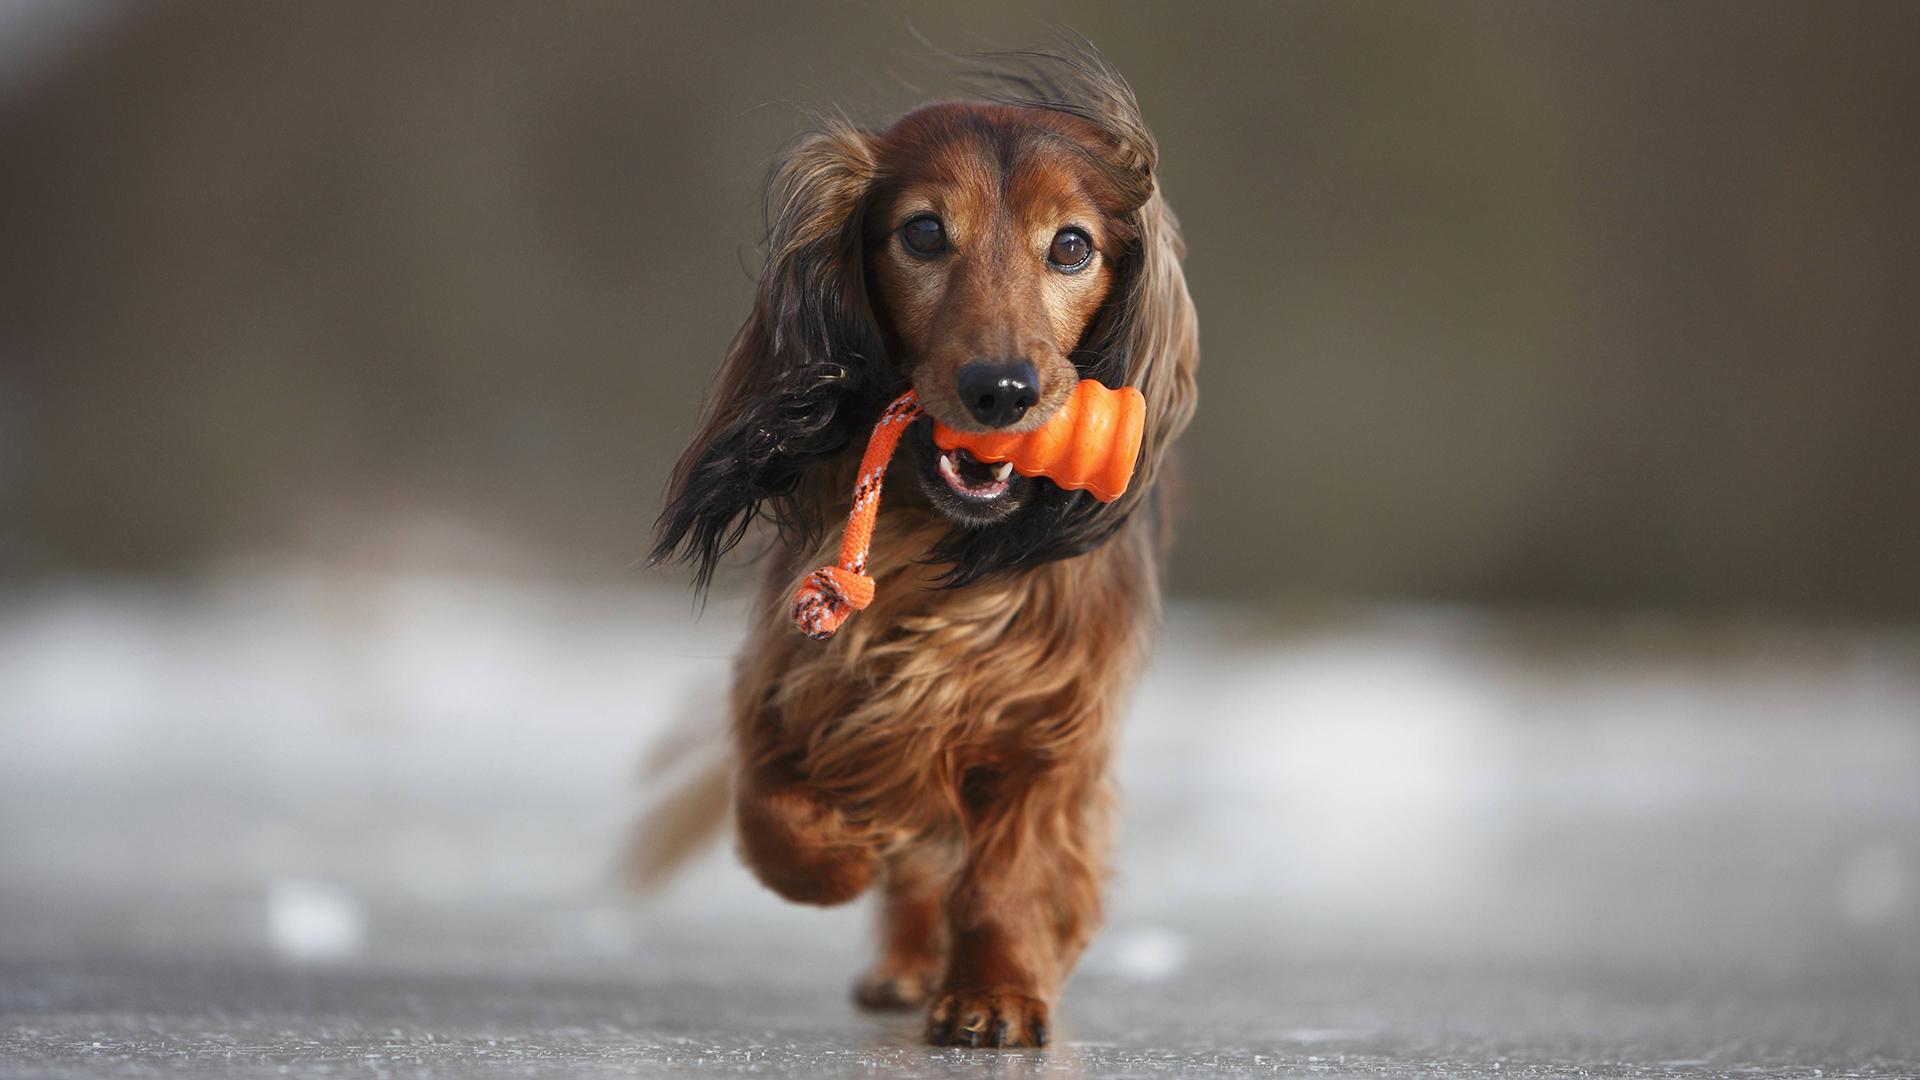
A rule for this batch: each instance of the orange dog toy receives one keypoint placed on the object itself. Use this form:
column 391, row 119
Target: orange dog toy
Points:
column 1089, row 445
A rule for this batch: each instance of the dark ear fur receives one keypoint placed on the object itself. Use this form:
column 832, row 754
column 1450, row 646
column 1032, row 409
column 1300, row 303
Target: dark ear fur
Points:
column 1146, row 335
column 804, row 376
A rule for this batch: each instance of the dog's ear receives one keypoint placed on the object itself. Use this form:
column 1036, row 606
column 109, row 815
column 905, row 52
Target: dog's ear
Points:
column 802, row 376
column 1160, row 336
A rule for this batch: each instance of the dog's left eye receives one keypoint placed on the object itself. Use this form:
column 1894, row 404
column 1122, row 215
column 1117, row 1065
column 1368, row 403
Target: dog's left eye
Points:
column 924, row 235
column 1071, row 250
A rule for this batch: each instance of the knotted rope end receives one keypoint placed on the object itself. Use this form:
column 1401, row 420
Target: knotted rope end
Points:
column 827, row 598
column 832, row 593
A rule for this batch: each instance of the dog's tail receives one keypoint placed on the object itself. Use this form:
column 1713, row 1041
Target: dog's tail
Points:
column 690, row 768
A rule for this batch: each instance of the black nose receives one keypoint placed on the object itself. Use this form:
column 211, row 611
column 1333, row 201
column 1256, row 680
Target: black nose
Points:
column 999, row 393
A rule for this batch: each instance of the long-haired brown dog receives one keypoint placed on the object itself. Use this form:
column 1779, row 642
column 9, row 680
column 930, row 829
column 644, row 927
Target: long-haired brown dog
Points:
column 953, row 742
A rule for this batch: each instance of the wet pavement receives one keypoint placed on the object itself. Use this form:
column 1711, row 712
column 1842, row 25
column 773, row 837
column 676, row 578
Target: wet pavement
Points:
column 740, row 1015
column 312, row 826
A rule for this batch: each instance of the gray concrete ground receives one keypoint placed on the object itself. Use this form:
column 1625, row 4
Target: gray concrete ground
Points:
column 314, row 826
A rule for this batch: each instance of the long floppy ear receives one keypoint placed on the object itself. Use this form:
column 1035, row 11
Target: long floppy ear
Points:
column 1162, row 333
column 802, row 377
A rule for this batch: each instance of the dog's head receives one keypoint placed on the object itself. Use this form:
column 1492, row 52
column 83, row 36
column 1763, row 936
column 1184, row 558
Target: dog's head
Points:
column 988, row 254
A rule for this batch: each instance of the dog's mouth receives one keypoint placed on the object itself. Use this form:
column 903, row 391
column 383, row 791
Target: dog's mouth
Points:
column 970, row 478
column 961, row 487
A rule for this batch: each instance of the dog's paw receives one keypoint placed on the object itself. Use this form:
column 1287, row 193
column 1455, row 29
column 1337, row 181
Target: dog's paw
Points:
column 883, row 989
column 987, row 1018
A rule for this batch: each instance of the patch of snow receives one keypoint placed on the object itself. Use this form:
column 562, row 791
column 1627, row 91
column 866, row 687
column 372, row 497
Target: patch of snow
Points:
column 314, row 921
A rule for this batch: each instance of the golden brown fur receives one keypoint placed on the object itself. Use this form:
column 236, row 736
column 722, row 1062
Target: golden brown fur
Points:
column 953, row 742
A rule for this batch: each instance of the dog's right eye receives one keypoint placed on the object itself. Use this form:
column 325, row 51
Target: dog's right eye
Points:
column 924, row 235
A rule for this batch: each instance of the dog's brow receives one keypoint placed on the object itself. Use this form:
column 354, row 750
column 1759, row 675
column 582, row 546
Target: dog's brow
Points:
column 1044, row 193
column 912, row 204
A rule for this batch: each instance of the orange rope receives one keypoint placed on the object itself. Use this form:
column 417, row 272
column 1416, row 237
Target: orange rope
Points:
column 832, row 593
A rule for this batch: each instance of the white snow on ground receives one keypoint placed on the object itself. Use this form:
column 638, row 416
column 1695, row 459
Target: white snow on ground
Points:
column 334, row 758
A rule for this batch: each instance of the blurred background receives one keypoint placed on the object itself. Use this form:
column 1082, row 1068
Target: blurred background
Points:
column 1546, row 593
column 1603, row 306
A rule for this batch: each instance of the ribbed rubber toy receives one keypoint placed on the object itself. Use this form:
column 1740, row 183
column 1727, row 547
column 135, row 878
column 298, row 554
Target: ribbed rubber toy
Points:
column 1089, row 445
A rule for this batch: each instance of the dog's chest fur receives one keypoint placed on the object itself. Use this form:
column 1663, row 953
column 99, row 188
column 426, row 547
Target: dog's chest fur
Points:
column 930, row 694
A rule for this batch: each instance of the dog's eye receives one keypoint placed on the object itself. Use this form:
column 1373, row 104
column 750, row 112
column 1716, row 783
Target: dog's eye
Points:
column 924, row 235
column 1071, row 250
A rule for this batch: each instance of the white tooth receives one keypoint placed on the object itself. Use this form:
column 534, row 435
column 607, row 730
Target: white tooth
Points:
column 1003, row 470
column 948, row 469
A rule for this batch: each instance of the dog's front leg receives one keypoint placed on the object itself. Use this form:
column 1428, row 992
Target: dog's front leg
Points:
column 797, row 842
column 913, row 932
column 1023, row 907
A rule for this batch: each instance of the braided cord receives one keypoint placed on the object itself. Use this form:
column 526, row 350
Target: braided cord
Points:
column 832, row 593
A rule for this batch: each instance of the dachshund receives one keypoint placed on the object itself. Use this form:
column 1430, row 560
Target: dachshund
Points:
column 952, row 746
